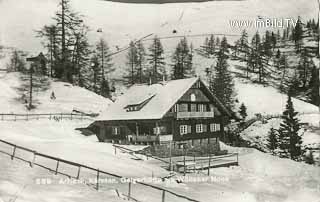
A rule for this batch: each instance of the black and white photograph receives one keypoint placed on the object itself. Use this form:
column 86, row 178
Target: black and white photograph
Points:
column 159, row 101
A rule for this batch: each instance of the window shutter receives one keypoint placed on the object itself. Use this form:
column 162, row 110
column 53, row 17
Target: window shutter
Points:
column 188, row 129
column 204, row 127
column 218, row 127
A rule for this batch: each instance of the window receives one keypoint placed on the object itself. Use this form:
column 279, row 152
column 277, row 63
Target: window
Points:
column 193, row 97
column 183, row 107
column 199, row 128
column 193, row 107
column 115, row 130
column 211, row 108
column 185, row 129
column 201, row 107
column 214, row 127
column 156, row 130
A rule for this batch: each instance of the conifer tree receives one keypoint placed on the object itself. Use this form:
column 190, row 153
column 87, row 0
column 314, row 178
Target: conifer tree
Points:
column 313, row 87
column 156, row 60
column 304, row 67
column 243, row 41
column 297, row 35
column 272, row 140
column 141, row 57
column 61, row 37
column 16, row 62
column 289, row 137
column 182, row 61
column 267, row 45
column 105, row 65
column 221, row 82
column 132, row 60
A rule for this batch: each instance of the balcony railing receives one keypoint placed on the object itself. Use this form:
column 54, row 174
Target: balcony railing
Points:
column 183, row 115
column 165, row 138
column 146, row 138
column 152, row 138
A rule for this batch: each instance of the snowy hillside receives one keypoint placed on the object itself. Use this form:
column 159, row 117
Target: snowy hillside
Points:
column 185, row 18
column 267, row 100
column 68, row 97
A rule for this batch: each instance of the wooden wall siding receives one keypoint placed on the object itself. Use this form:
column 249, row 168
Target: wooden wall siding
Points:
column 129, row 128
column 194, row 147
column 200, row 96
column 194, row 134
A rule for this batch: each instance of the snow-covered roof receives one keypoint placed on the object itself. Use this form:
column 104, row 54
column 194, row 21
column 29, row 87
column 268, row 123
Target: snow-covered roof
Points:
column 163, row 97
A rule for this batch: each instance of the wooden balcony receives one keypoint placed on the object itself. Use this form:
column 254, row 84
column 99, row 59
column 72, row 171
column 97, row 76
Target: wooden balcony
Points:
column 152, row 138
column 145, row 138
column 186, row 115
column 165, row 138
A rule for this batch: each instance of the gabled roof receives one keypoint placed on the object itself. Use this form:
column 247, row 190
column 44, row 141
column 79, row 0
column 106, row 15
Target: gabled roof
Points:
column 164, row 96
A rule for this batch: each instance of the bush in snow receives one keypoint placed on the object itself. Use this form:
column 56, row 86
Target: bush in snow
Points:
column 309, row 157
column 272, row 140
column 243, row 111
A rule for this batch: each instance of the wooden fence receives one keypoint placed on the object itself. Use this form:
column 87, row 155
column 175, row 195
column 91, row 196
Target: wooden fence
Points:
column 189, row 163
column 33, row 158
column 206, row 163
column 50, row 116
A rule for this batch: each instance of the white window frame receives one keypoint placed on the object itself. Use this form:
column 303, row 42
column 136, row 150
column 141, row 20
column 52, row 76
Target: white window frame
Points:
column 214, row 127
column 183, row 129
column 193, row 97
column 115, row 130
column 201, row 107
column 157, row 130
column 199, row 128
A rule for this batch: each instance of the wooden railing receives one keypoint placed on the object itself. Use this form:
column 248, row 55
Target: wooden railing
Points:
column 145, row 138
column 34, row 155
column 50, row 116
column 182, row 115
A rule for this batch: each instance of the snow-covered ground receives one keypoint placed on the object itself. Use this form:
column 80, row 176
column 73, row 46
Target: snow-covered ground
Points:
column 68, row 97
column 19, row 182
column 60, row 139
column 267, row 100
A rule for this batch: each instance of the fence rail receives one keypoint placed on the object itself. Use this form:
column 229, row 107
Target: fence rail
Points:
column 50, row 116
column 32, row 160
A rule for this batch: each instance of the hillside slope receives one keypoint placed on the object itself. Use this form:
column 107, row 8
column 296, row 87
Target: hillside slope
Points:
column 68, row 97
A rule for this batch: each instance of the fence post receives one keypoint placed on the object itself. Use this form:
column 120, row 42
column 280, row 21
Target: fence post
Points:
column 129, row 191
column 33, row 159
column 194, row 161
column 14, row 151
column 98, row 173
column 78, row 175
column 57, row 167
column 50, row 116
column 209, row 164
column 15, row 117
column 184, row 165
column 237, row 158
column 61, row 116
column 71, row 115
column 115, row 150
column 163, row 196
